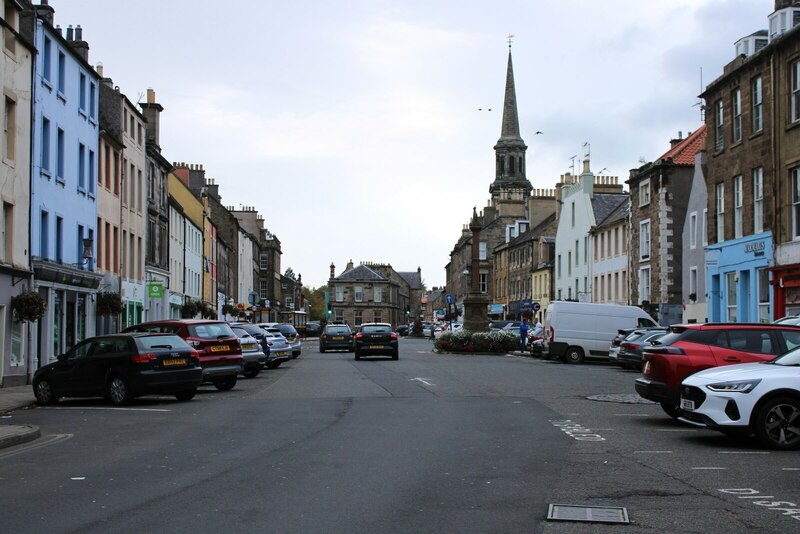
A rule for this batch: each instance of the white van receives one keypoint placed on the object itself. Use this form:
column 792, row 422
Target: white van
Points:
column 577, row 330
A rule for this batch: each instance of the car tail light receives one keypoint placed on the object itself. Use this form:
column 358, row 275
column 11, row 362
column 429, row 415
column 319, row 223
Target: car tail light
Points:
column 324, row 336
column 393, row 335
column 195, row 355
column 359, row 335
column 552, row 334
column 629, row 346
column 193, row 342
column 667, row 350
column 147, row 357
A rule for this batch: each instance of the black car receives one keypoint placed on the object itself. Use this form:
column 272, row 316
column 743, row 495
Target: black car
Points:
column 313, row 329
column 336, row 337
column 631, row 348
column 120, row 367
column 376, row 338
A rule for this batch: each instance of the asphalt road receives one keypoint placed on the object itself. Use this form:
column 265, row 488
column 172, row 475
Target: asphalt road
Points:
column 429, row 443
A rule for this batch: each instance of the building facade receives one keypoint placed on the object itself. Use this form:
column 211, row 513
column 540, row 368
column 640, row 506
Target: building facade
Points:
column 695, row 239
column 609, row 250
column 369, row 292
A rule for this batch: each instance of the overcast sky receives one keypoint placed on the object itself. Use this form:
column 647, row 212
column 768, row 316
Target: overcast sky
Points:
column 354, row 127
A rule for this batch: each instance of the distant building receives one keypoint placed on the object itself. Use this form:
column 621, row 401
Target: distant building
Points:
column 369, row 292
column 695, row 239
column 609, row 250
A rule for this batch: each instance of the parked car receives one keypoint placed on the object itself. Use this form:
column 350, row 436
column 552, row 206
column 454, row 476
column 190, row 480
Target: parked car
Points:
column 254, row 358
column 336, row 337
column 403, row 329
column 313, row 329
column 690, row 348
column 121, row 367
column 752, row 398
column 257, row 332
column 292, row 337
column 376, row 338
column 613, row 350
column 279, row 349
column 630, row 350
column 217, row 345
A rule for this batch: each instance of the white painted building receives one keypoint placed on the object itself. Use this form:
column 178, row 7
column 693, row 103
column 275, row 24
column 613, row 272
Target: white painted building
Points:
column 245, row 270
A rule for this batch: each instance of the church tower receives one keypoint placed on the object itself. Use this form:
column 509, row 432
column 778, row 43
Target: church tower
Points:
column 510, row 182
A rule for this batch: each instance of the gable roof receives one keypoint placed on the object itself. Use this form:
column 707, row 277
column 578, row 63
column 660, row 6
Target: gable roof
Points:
column 414, row 279
column 360, row 273
column 683, row 153
column 619, row 213
column 604, row 204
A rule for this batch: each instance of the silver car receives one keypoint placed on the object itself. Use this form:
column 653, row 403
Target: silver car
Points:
column 252, row 355
column 279, row 348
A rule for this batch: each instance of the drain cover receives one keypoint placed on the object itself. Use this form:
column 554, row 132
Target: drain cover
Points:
column 589, row 514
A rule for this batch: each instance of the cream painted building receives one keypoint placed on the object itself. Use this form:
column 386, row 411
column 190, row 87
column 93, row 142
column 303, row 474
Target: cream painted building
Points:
column 245, row 268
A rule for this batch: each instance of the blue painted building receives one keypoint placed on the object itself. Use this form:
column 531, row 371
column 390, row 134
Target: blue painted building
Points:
column 63, row 185
column 737, row 280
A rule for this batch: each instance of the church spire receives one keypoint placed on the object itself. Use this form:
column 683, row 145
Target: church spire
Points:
column 510, row 182
column 510, row 127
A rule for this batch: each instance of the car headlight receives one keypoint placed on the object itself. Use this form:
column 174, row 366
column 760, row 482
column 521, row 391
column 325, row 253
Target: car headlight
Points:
column 745, row 386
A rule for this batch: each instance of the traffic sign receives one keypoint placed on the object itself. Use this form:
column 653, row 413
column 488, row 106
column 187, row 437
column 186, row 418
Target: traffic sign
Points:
column 449, row 298
column 536, row 306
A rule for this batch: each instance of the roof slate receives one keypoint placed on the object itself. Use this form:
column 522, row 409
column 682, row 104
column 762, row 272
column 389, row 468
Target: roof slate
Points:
column 604, row 204
column 414, row 279
column 360, row 272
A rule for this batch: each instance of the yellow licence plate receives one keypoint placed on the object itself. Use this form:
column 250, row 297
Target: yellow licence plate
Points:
column 173, row 361
column 248, row 346
column 376, row 346
column 219, row 348
column 338, row 338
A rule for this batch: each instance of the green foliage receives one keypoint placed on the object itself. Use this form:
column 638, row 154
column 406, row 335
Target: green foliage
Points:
column 316, row 298
column 28, row 306
column 466, row 342
column 109, row 303
column 416, row 329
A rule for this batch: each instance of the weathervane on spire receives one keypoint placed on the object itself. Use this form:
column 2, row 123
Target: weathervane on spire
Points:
column 510, row 38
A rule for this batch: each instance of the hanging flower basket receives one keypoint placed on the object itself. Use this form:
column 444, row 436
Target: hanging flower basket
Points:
column 229, row 309
column 28, row 306
column 109, row 303
column 189, row 309
column 207, row 311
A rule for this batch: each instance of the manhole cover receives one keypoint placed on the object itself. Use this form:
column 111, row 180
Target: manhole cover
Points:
column 624, row 398
column 590, row 514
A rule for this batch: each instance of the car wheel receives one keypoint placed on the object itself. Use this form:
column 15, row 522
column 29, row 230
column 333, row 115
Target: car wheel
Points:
column 226, row 383
column 273, row 365
column 118, row 391
column 574, row 355
column 670, row 409
column 43, row 391
column 186, row 395
column 294, row 356
column 395, row 355
column 251, row 373
column 777, row 424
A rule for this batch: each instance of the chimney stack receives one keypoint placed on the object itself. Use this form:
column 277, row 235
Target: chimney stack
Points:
column 46, row 12
column 75, row 39
column 69, row 33
column 333, row 271
column 152, row 112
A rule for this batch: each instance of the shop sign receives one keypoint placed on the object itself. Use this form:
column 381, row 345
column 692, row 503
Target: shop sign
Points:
column 757, row 247
column 155, row 290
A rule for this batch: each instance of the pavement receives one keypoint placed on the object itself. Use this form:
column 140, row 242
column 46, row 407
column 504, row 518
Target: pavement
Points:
column 14, row 398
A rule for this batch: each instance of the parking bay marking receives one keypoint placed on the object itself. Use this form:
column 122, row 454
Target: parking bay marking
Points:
column 785, row 507
column 109, row 408
column 425, row 381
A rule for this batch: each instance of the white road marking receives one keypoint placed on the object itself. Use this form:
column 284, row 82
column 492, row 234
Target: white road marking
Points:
column 425, row 381
column 41, row 442
column 652, row 452
column 742, row 452
column 709, row 468
column 791, row 469
column 676, row 430
column 108, row 408
column 631, row 415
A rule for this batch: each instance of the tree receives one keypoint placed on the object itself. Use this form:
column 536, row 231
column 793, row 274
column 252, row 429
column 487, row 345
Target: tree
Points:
column 316, row 298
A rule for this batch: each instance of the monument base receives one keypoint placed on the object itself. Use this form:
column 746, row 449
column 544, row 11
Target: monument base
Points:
column 476, row 312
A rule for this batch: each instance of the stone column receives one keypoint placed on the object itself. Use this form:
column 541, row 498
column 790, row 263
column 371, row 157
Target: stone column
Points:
column 476, row 304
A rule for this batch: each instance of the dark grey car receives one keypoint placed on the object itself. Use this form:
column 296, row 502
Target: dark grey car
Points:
column 336, row 337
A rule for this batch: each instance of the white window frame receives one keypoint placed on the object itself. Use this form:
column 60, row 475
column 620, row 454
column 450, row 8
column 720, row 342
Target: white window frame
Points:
column 483, row 282
column 762, row 287
column 731, row 281
column 720, row 125
column 738, row 207
column 693, row 230
column 757, row 104
column 794, row 97
column 795, row 173
column 693, row 281
column 705, row 227
column 339, row 293
column 644, row 284
column 644, row 192
column 644, row 240
column 377, row 294
column 482, row 250
column 358, row 293
column 736, row 122
column 758, row 200
column 720, row 203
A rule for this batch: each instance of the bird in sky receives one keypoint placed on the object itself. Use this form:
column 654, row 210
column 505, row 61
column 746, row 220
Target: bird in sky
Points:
column 538, row 133
column 481, row 109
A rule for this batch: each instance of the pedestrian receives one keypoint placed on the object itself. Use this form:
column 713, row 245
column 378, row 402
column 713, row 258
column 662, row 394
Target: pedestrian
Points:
column 537, row 328
column 523, row 334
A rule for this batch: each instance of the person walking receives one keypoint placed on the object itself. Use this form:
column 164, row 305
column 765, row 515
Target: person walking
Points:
column 523, row 334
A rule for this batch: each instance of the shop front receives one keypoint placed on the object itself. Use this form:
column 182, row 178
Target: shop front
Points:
column 70, row 294
column 738, row 279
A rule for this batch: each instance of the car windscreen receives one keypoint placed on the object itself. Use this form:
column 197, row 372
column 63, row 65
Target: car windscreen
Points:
column 240, row 332
column 338, row 330
column 791, row 358
column 163, row 342
column 210, row 330
column 376, row 329
column 287, row 329
column 251, row 329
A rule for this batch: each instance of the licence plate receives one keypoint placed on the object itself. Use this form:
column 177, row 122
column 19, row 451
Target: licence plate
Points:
column 248, row 346
column 282, row 353
column 173, row 361
column 376, row 346
column 338, row 338
column 687, row 404
column 219, row 348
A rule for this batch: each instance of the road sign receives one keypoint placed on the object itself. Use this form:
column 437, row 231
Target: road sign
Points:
column 449, row 298
column 536, row 306
column 252, row 298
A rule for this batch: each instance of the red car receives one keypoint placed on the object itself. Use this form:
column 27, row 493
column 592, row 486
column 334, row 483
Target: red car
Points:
column 218, row 347
column 689, row 348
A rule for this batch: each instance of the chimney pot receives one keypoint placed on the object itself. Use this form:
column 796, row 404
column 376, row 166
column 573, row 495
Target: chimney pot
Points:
column 151, row 96
column 70, row 33
column 78, row 33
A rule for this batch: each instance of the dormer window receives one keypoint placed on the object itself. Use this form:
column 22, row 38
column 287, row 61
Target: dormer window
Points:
column 782, row 21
